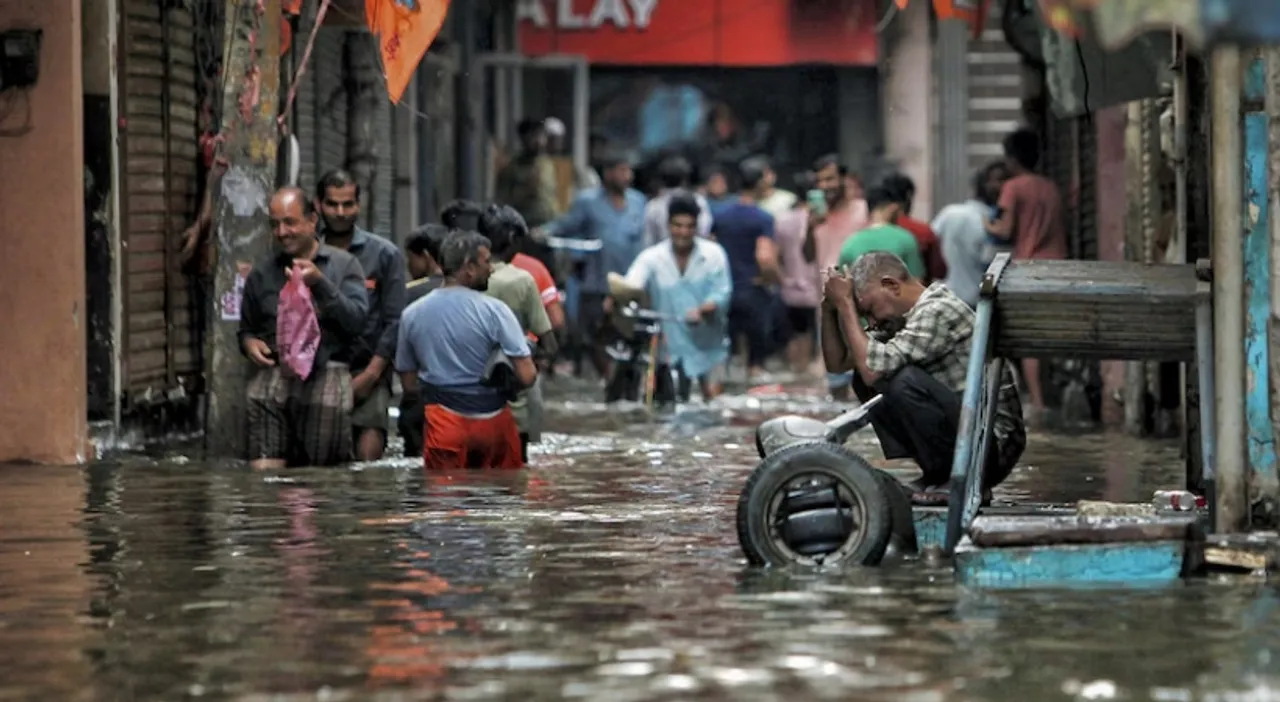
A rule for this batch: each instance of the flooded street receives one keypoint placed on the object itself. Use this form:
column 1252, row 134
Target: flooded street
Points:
column 608, row 571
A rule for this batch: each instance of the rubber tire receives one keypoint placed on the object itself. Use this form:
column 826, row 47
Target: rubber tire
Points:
column 813, row 457
column 904, row 521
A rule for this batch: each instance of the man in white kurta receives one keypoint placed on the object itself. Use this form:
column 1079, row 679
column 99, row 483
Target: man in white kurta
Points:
column 687, row 280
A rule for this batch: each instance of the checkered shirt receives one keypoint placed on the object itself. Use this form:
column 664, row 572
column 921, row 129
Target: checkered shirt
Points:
column 937, row 337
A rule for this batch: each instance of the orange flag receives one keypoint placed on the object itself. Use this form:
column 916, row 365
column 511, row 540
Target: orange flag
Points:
column 405, row 29
column 1061, row 15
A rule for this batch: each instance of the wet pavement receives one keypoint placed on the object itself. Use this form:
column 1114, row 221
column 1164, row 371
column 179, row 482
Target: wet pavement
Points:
column 608, row 571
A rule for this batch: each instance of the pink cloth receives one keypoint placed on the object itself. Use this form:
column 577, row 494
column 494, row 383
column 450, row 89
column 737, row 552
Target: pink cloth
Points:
column 297, row 329
column 841, row 223
column 799, row 277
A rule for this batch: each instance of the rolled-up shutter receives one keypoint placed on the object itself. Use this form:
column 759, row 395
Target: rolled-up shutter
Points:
column 384, row 189
column 158, row 89
column 322, row 108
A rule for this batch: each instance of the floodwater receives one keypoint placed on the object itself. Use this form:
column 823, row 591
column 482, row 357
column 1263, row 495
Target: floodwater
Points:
column 608, row 571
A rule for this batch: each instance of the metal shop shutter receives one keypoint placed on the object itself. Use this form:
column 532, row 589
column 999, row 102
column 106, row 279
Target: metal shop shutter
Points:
column 158, row 89
column 322, row 108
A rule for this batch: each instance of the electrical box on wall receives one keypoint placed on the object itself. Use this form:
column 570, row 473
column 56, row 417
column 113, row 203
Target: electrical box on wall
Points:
column 19, row 58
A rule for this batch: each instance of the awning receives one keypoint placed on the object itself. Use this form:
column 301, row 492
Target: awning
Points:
column 1202, row 22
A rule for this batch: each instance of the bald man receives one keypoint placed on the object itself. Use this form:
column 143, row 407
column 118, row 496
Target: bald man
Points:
column 293, row 421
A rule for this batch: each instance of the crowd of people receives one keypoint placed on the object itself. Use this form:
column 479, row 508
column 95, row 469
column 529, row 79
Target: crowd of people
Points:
column 471, row 313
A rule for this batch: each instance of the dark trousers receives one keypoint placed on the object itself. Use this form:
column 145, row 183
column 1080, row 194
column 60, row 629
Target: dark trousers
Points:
column 411, row 423
column 919, row 419
column 753, row 313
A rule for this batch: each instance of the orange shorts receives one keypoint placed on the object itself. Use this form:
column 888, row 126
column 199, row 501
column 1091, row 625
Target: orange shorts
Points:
column 455, row 441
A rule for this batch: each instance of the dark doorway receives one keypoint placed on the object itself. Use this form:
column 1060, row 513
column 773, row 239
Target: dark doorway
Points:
column 97, row 255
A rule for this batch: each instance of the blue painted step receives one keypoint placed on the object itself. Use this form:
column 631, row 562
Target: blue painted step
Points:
column 1041, row 551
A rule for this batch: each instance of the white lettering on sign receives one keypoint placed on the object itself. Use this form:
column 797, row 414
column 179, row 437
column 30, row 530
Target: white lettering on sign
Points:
column 620, row 13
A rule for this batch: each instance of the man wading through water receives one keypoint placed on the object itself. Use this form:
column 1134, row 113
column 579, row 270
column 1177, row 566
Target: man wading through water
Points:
column 338, row 199
column 422, row 251
column 445, row 342
column 1030, row 218
column 916, row 355
column 687, row 279
column 516, row 288
column 293, row 421
column 833, row 218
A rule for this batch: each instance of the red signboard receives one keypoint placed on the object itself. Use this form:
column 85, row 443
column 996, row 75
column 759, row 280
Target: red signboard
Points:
column 702, row 32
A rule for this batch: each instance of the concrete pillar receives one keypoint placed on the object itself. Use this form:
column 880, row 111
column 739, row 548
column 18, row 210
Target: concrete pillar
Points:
column 243, row 232
column 1227, row 149
column 908, row 103
column 43, row 414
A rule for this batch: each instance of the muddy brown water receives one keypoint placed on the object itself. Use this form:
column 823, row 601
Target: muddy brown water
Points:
column 610, row 571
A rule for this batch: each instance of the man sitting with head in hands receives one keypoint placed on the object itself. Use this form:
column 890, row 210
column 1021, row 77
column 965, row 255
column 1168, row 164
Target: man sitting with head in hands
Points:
column 914, row 352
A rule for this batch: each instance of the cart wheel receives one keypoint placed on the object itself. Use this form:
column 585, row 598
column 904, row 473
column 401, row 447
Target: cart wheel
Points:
column 814, row 504
column 903, row 539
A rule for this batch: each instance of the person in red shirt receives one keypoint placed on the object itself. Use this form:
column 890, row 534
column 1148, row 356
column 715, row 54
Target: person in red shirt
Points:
column 903, row 190
column 547, row 290
column 1030, row 217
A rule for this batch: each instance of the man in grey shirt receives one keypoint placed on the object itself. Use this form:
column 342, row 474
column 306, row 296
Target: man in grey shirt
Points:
column 338, row 200
column 962, row 229
column 675, row 174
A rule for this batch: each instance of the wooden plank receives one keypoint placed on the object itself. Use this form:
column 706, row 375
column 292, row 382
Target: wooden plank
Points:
column 1144, row 564
column 1243, row 552
column 1006, row 532
column 931, row 522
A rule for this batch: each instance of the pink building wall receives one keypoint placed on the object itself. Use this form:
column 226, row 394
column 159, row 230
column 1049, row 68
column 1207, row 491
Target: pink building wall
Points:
column 42, row 332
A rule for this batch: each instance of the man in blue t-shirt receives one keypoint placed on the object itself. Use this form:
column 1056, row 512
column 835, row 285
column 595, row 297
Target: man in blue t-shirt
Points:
column 446, row 340
column 746, row 233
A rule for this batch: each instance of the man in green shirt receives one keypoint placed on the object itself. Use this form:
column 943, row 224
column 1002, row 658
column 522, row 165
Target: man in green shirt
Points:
column 881, row 234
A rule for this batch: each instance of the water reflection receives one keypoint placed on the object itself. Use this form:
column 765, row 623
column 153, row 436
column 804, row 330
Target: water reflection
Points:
column 609, row 571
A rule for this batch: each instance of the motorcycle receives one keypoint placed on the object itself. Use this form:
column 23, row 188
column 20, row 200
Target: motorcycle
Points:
column 639, row 373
